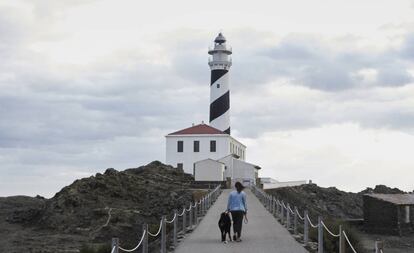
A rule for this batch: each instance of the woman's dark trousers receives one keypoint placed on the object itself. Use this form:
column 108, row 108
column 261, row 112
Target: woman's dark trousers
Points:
column 237, row 222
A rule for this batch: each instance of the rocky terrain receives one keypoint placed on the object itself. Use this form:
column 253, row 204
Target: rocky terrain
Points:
column 93, row 210
column 337, row 206
column 328, row 202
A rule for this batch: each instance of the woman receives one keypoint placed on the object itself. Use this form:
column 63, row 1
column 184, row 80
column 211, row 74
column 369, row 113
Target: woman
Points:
column 238, row 208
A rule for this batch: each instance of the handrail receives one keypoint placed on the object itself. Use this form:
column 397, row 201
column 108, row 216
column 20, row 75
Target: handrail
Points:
column 205, row 204
column 266, row 199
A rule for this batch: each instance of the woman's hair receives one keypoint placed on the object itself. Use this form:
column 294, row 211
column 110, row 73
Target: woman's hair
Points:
column 239, row 186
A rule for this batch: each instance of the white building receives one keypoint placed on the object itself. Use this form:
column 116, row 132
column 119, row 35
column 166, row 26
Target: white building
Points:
column 239, row 170
column 209, row 170
column 186, row 147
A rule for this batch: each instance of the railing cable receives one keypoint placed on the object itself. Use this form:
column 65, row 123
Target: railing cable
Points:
column 349, row 243
column 329, row 231
column 136, row 247
column 300, row 217
column 171, row 221
column 159, row 230
column 310, row 222
column 182, row 213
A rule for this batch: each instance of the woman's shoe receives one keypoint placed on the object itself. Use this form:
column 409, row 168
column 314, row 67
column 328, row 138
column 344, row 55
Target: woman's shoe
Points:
column 238, row 239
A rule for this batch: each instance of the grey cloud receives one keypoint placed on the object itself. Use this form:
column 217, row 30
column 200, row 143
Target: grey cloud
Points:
column 407, row 50
column 311, row 63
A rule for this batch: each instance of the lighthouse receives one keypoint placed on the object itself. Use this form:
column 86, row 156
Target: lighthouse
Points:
column 220, row 63
column 209, row 152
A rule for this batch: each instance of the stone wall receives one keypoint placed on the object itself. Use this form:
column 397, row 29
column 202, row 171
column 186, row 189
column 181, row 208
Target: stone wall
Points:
column 380, row 216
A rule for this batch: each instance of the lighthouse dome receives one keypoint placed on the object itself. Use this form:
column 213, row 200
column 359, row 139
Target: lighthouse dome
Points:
column 220, row 38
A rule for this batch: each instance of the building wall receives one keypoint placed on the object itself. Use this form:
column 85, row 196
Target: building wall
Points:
column 188, row 157
column 237, row 148
column 209, row 170
column 380, row 216
column 274, row 185
column 239, row 170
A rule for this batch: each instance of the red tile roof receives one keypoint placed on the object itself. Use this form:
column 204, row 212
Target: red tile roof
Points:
column 198, row 129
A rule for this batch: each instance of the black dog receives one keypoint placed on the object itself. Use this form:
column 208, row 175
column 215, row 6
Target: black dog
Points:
column 225, row 225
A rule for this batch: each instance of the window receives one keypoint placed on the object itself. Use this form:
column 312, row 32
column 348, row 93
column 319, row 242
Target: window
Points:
column 179, row 166
column 218, row 85
column 212, row 146
column 196, row 146
column 180, row 146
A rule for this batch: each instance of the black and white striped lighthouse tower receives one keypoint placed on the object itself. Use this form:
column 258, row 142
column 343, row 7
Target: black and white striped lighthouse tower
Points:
column 220, row 64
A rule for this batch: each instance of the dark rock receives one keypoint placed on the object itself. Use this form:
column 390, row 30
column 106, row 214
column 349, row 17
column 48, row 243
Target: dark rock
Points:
column 79, row 213
column 382, row 189
column 110, row 171
column 328, row 202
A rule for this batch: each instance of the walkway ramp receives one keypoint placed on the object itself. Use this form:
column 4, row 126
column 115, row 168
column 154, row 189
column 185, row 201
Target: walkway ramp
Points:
column 263, row 234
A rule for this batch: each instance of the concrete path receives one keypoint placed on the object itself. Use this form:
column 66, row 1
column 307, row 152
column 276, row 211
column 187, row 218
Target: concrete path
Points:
column 262, row 234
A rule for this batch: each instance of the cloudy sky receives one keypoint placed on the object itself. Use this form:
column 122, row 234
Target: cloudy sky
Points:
column 321, row 89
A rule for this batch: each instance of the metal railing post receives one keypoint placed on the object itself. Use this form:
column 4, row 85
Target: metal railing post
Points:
column 267, row 202
column 379, row 246
column 206, row 203
column 271, row 203
column 306, row 228
column 278, row 208
column 320, row 235
column 274, row 206
column 184, row 221
column 195, row 214
column 163, row 235
column 115, row 243
column 287, row 216
column 283, row 213
column 175, row 228
column 341, row 240
column 145, row 241
column 295, row 221
column 190, row 223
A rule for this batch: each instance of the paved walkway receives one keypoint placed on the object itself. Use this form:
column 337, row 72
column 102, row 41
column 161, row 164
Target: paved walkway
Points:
column 262, row 234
